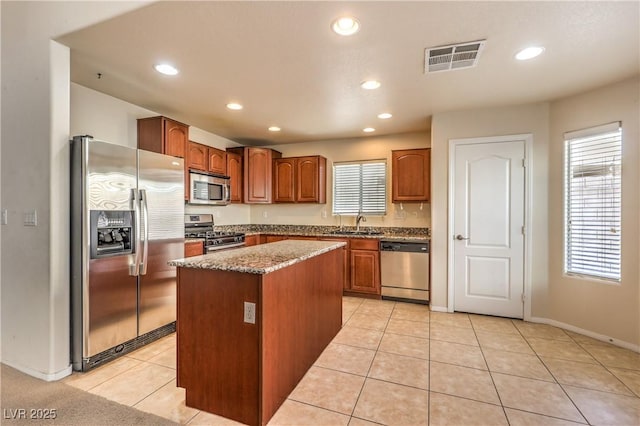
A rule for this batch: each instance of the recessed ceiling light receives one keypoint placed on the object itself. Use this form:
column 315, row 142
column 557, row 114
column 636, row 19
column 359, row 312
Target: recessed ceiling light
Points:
column 166, row 69
column 345, row 26
column 529, row 53
column 234, row 106
column 368, row 129
column 370, row 84
column 274, row 129
column 385, row 115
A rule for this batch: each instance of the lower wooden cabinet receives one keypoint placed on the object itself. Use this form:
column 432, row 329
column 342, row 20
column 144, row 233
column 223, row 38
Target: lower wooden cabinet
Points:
column 193, row 248
column 361, row 261
column 251, row 240
column 364, row 263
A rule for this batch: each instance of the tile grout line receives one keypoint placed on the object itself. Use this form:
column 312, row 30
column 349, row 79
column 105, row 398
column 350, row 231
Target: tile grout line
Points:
column 484, row 358
column 554, row 377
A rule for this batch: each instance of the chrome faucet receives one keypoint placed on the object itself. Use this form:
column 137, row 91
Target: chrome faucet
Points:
column 359, row 218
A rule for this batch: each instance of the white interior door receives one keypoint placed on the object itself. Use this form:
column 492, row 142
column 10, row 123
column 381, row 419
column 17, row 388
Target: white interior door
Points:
column 488, row 194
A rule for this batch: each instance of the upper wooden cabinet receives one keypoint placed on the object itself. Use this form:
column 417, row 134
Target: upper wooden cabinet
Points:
column 217, row 163
column 411, row 175
column 284, row 178
column 206, row 159
column 234, row 170
column 163, row 135
column 197, row 157
column 257, row 173
column 300, row 180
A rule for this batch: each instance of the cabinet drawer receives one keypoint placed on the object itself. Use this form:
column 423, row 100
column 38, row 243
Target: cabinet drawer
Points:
column 364, row 244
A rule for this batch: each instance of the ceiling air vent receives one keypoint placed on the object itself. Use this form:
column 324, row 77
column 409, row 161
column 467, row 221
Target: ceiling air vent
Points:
column 453, row 57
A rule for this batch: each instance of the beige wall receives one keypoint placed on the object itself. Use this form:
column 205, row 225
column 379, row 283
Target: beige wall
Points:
column 526, row 119
column 365, row 148
column 34, row 175
column 606, row 308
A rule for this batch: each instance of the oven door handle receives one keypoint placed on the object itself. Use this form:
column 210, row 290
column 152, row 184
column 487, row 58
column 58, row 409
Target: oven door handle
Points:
column 224, row 247
column 145, row 215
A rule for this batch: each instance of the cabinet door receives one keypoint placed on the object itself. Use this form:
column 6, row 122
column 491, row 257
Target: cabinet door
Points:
column 311, row 179
column 176, row 136
column 258, row 174
column 411, row 178
column 195, row 248
column 284, row 175
column 251, row 240
column 197, row 156
column 346, row 273
column 234, row 170
column 217, row 161
column 365, row 271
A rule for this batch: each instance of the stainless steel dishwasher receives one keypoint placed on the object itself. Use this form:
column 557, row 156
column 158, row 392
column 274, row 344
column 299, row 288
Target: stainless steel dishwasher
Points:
column 404, row 270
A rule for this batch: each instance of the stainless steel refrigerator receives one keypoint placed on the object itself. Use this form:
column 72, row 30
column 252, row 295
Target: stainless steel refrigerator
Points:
column 127, row 222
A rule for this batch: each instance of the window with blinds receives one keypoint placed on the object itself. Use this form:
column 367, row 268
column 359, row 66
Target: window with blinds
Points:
column 360, row 187
column 593, row 199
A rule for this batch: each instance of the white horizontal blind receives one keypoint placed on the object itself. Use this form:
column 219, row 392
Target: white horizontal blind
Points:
column 360, row 187
column 593, row 191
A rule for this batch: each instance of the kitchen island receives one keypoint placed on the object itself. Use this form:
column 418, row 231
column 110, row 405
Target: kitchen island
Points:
column 252, row 321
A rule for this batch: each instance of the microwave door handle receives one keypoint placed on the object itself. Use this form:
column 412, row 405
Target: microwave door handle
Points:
column 227, row 193
column 135, row 266
column 145, row 215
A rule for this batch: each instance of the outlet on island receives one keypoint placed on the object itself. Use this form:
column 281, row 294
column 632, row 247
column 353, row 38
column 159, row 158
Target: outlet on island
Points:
column 249, row 312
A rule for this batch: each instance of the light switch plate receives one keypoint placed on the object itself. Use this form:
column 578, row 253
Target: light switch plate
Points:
column 30, row 218
column 5, row 217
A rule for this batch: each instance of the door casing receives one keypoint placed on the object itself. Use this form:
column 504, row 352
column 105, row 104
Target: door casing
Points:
column 528, row 146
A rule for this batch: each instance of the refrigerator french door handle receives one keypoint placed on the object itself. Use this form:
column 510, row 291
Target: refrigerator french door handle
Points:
column 145, row 215
column 135, row 203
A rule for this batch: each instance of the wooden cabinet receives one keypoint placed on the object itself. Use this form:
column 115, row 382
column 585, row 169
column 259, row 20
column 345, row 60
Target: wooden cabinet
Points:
column 197, row 157
column 284, row 177
column 411, row 175
column 257, row 173
column 364, row 263
column 300, row 180
column 206, row 159
column 193, row 248
column 217, row 163
column 251, row 240
column 346, row 269
column 163, row 135
column 234, row 171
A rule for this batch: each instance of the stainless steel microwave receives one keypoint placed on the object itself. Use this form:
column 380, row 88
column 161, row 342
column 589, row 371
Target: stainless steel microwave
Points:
column 208, row 189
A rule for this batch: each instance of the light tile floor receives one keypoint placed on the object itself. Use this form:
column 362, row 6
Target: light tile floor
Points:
column 397, row 363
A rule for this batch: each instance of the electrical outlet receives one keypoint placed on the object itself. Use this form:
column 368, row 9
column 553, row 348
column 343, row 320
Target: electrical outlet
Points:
column 324, row 214
column 265, row 214
column 249, row 312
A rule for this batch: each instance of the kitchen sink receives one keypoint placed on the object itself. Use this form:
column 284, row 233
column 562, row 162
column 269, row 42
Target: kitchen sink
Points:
column 349, row 232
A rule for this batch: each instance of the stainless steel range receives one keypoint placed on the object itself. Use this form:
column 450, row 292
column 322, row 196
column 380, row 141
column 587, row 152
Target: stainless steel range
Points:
column 201, row 226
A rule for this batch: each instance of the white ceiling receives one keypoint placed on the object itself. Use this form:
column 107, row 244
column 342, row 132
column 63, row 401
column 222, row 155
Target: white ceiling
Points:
column 284, row 64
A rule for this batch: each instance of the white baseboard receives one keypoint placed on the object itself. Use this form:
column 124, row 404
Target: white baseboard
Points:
column 601, row 337
column 51, row 377
column 438, row 308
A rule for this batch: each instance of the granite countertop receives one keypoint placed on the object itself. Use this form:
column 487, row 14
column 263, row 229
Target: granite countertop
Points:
column 259, row 259
column 379, row 233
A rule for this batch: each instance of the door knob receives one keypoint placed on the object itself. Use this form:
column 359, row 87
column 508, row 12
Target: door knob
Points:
column 460, row 237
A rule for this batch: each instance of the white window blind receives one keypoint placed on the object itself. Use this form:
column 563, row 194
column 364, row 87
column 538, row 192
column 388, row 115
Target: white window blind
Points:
column 593, row 199
column 360, row 187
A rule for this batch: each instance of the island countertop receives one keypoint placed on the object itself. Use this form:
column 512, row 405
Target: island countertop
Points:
column 259, row 259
